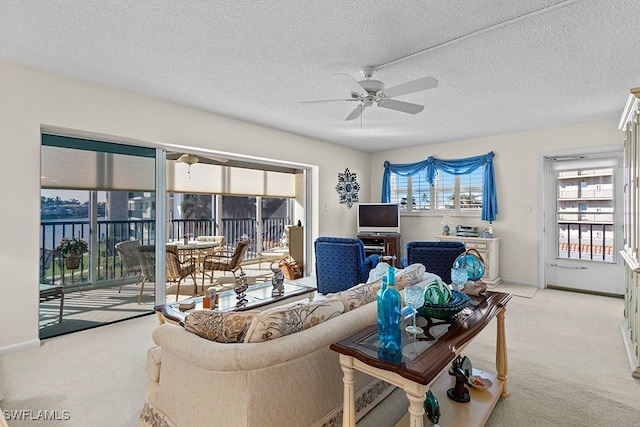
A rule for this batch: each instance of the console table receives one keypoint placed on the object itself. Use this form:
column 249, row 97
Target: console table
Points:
column 415, row 374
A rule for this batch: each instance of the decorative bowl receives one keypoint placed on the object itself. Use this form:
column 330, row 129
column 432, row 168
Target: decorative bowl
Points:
column 445, row 311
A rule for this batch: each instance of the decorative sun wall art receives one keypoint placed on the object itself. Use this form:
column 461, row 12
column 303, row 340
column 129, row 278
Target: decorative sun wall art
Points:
column 348, row 188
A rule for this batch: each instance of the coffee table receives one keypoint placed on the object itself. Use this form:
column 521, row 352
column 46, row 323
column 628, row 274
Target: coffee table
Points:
column 425, row 363
column 258, row 297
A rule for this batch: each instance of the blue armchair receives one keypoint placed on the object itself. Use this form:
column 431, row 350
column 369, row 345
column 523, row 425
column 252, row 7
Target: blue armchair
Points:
column 437, row 257
column 341, row 263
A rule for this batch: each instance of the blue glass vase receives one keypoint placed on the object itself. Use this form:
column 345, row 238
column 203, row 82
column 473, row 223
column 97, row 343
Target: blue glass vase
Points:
column 381, row 309
column 390, row 315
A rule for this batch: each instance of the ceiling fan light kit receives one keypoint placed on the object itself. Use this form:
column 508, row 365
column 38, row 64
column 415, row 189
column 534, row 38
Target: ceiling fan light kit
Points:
column 189, row 159
column 369, row 91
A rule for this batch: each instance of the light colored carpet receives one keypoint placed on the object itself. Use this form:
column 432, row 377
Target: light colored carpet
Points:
column 567, row 367
column 525, row 291
column 97, row 375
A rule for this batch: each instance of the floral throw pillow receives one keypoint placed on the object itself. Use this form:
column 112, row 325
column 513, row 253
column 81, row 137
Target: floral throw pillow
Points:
column 280, row 321
column 357, row 296
column 410, row 275
column 220, row 326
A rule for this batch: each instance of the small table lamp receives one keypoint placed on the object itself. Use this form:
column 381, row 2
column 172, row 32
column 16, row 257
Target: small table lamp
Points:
column 446, row 219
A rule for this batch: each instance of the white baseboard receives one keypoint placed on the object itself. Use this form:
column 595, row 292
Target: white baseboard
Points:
column 19, row 347
column 520, row 282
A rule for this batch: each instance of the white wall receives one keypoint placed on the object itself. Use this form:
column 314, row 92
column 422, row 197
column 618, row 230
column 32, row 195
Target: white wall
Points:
column 518, row 183
column 30, row 99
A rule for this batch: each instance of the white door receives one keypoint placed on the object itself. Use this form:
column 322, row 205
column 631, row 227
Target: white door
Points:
column 583, row 222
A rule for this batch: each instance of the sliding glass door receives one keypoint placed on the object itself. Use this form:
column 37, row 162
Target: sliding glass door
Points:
column 102, row 194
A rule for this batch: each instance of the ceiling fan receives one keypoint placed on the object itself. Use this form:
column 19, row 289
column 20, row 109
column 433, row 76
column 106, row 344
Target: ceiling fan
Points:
column 191, row 159
column 369, row 91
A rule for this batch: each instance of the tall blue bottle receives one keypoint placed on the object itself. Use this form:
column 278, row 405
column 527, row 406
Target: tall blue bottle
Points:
column 390, row 315
column 381, row 322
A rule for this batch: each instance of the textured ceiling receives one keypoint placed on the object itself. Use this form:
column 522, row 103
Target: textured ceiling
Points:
column 502, row 66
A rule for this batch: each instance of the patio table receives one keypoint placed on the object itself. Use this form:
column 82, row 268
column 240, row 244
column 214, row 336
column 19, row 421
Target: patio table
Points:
column 193, row 247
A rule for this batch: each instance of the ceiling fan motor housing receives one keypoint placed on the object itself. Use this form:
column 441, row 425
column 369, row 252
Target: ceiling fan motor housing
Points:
column 373, row 87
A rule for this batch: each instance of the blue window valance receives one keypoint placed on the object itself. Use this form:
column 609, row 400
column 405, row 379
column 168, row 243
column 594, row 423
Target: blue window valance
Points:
column 454, row 167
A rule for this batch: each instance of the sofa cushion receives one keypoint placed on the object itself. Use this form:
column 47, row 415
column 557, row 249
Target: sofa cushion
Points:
column 280, row 321
column 220, row 326
column 357, row 296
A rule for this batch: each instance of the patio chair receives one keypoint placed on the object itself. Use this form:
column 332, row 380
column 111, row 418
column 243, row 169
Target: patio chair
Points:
column 178, row 270
column 147, row 257
column 128, row 253
column 222, row 240
column 225, row 261
column 279, row 252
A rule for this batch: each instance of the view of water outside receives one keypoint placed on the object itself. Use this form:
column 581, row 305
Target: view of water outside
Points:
column 60, row 206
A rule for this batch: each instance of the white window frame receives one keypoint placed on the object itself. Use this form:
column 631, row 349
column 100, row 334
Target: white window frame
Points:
column 433, row 211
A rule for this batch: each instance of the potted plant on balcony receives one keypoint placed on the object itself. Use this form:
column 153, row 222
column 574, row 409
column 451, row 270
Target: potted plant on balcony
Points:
column 72, row 249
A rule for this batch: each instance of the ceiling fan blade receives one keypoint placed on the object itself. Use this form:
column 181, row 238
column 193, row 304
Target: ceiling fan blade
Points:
column 214, row 159
column 327, row 100
column 410, row 87
column 350, row 83
column 356, row 112
column 405, row 107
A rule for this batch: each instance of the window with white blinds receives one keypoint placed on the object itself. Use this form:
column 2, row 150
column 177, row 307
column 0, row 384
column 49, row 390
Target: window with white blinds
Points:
column 451, row 194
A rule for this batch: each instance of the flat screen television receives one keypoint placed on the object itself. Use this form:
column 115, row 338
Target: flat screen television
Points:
column 378, row 218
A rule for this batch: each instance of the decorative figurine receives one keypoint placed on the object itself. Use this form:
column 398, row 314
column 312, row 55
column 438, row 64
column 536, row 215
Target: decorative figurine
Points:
column 277, row 280
column 432, row 407
column 459, row 393
column 213, row 297
column 240, row 287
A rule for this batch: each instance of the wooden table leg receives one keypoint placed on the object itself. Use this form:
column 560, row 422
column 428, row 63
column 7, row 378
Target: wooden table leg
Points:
column 348, row 399
column 502, row 365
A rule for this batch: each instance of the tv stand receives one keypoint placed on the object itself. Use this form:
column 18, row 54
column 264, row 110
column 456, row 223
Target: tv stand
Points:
column 383, row 244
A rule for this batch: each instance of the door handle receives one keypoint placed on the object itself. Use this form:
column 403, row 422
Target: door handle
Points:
column 566, row 266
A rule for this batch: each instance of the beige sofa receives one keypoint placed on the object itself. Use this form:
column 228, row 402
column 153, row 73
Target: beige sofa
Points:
column 294, row 380
column 289, row 380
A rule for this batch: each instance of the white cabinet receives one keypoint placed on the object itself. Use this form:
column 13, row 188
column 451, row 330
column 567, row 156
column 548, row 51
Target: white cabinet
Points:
column 489, row 250
column 631, row 325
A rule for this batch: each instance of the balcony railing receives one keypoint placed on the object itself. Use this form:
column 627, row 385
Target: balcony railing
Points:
column 585, row 194
column 109, row 268
column 594, row 242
